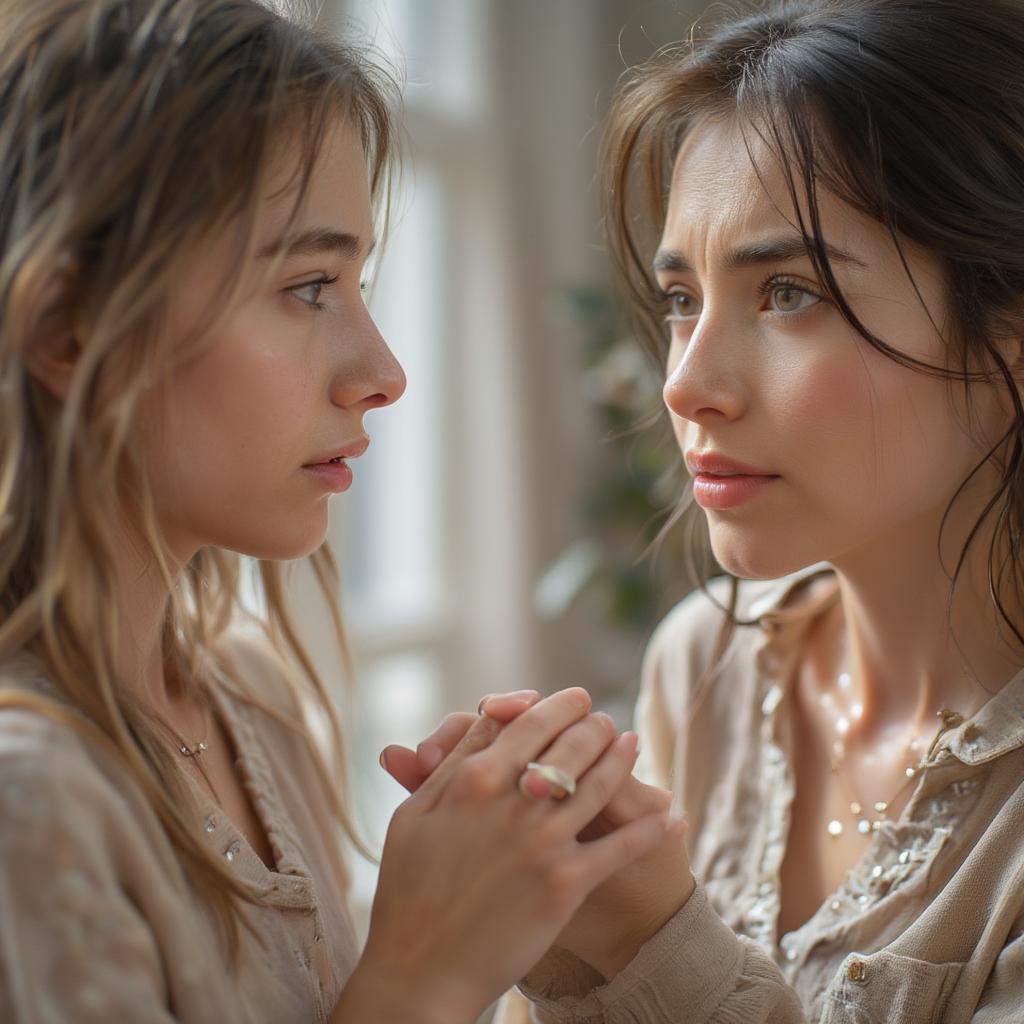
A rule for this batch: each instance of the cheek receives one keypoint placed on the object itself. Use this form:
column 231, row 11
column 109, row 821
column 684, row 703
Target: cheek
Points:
column 878, row 440
column 236, row 428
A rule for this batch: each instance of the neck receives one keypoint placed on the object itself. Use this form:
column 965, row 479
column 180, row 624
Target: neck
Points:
column 914, row 643
column 144, row 600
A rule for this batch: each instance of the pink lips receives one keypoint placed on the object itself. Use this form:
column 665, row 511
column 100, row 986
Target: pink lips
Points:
column 332, row 469
column 336, row 475
column 720, row 483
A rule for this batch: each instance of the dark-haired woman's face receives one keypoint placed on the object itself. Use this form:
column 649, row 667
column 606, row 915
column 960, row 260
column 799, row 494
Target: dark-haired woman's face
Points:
column 839, row 452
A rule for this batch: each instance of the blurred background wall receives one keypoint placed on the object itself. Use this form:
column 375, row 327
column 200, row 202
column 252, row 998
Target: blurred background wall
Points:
column 475, row 543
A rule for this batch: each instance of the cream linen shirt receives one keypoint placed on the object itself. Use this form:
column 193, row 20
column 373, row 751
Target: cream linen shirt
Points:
column 926, row 928
column 98, row 923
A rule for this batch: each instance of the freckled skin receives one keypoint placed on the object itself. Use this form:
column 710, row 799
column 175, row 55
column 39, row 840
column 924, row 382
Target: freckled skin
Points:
column 280, row 384
column 867, row 450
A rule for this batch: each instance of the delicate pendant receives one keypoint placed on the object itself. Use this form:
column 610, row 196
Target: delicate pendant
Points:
column 195, row 751
column 835, row 828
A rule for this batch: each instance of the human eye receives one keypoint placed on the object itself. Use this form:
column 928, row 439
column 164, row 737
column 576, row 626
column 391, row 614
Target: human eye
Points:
column 680, row 306
column 787, row 296
column 309, row 293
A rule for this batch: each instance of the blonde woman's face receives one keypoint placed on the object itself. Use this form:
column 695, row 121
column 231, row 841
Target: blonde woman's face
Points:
column 285, row 381
column 842, row 453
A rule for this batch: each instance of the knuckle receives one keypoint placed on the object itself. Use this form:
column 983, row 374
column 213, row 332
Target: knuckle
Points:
column 577, row 741
column 483, row 732
column 542, row 840
column 477, row 777
column 601, row 727
column 562, row 880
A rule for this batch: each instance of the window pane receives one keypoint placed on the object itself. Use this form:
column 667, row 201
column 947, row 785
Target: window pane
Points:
column 400, row 702
column 392, row 528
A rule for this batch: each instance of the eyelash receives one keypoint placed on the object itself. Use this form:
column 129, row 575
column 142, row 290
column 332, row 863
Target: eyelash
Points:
column 770, row 283
column 773, row 281
column 322, row 283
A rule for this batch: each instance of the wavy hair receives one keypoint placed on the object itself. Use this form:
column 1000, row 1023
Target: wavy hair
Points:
column 912, row 112
column 129, row 131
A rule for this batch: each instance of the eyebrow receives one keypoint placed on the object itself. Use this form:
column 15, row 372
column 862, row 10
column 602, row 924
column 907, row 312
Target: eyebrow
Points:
column 772, row 250
column 315, row 242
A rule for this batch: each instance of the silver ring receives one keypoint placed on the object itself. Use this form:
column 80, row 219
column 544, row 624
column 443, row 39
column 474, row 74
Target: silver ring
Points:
column 558, row 778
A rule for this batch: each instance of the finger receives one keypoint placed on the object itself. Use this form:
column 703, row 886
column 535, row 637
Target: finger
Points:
column 443, row 740
column 479, row 737
column 403, row 766
column 574, row 752
column 604, row 857
column 596, row 788
column 504, row 707
column 535, row 729
column 633, row 799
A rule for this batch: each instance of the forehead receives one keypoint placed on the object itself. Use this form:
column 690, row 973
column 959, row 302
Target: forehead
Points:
column 338, row 191
column 728, row 189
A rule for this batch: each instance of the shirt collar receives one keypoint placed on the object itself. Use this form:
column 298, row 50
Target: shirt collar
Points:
column 995, row 729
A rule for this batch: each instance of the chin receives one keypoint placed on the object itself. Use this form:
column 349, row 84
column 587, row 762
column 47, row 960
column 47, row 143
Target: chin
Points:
column 284, row 545
column 753, row 555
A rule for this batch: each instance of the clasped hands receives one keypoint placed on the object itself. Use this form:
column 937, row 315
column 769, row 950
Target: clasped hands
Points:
column 618, row 916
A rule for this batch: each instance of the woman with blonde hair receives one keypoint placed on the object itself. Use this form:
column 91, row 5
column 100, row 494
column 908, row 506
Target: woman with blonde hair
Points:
column 819, row 208
column 187, row 191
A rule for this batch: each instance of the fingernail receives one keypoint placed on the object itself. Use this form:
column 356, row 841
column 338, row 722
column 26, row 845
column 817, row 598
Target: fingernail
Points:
column 524, row 697
column 579, row 696
column 631, row 741
column 381, row 762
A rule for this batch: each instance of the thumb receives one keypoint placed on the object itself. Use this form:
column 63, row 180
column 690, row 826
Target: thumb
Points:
column 403, row 766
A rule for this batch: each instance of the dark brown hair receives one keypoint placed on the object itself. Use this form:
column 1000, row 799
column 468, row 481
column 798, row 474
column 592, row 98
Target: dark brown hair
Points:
column 911, row 111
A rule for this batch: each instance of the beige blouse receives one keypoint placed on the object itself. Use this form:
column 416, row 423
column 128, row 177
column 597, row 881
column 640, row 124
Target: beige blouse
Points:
column 928, row 927
column 98, row 923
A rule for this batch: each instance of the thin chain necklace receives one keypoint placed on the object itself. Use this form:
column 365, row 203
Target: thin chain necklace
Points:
column 197, row 748
column 868, row 822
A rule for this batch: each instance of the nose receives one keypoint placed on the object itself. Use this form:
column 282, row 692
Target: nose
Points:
column 369, row 375
column 703, row 383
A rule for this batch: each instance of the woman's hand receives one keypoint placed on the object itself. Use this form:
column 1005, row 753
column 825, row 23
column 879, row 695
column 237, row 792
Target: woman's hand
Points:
column 619, row 916
column 478, row 878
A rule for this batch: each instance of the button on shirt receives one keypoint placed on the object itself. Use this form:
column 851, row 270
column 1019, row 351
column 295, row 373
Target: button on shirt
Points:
column 927, row 926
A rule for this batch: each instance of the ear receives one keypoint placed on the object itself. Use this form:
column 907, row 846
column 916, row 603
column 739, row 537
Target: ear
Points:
column 52, row 357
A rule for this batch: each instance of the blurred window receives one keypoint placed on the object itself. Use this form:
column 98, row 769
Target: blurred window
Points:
column 390, row 532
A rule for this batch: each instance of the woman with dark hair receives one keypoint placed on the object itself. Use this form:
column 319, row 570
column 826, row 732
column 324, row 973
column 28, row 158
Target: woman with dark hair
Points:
column 820, row 210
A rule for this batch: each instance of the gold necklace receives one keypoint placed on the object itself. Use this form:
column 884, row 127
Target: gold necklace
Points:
column 867, row 824
column 198, row 748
